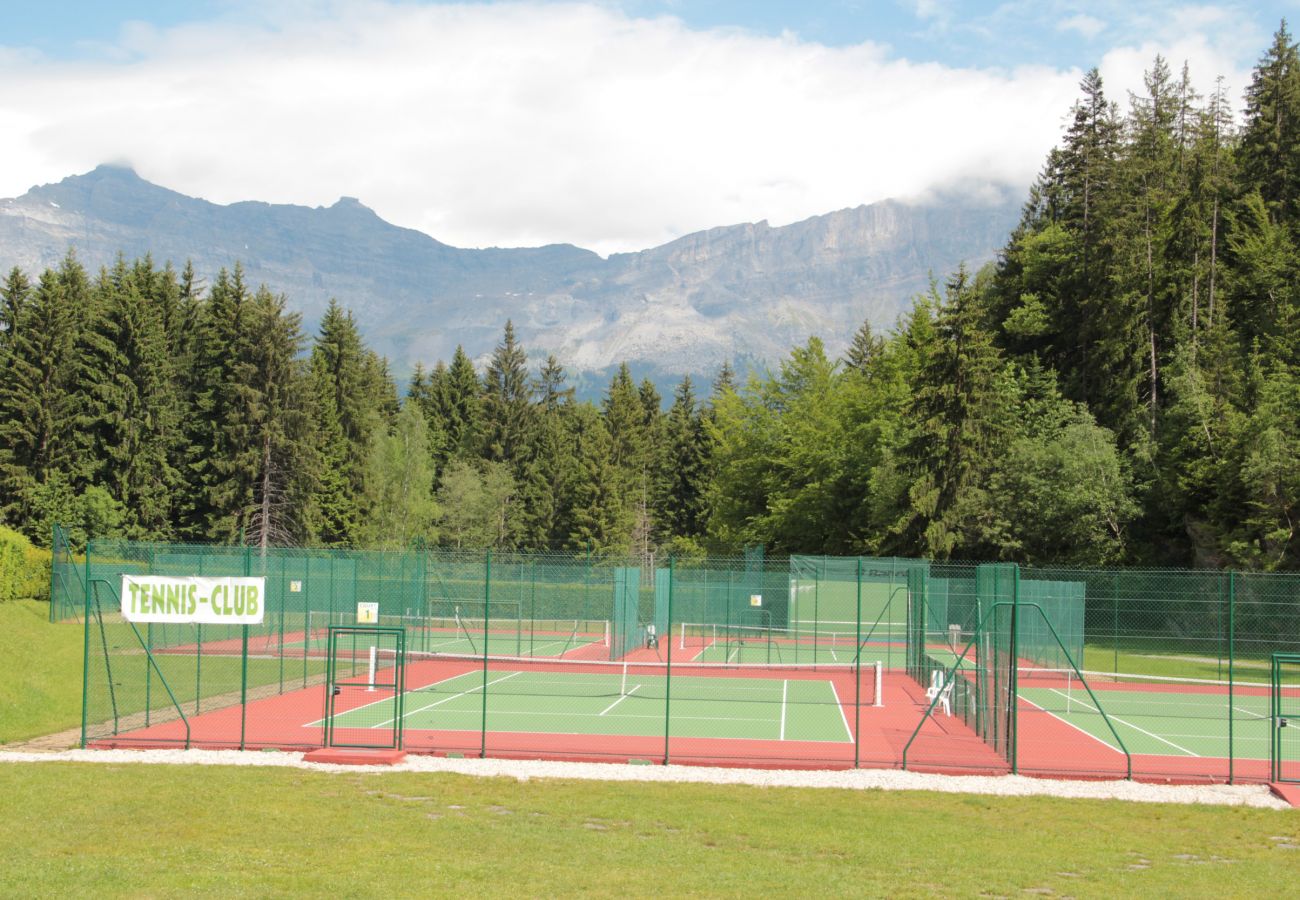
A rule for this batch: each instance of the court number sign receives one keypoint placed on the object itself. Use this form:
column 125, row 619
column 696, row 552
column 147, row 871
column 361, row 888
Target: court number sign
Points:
column 183, row 599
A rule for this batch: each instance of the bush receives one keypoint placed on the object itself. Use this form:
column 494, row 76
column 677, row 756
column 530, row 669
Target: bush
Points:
column 24, row 569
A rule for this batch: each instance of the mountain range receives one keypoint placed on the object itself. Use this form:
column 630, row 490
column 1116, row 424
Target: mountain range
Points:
column 746, row 293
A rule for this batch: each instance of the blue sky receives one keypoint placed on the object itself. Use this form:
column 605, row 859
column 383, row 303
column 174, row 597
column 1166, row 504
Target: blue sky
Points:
column 612, row 124
column 1003, row 33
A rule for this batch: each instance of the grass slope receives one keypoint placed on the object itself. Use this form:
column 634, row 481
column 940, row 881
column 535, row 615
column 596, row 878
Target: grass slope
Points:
column 74, row 829
column 40, row 672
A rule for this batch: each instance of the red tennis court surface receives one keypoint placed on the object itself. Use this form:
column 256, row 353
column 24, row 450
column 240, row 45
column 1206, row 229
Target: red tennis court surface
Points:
column 1048, row 744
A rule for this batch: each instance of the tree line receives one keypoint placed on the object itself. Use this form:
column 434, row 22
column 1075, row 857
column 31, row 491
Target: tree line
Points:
column 1121, row 385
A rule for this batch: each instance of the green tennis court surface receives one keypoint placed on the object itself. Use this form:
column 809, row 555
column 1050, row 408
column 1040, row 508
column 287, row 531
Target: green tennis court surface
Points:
column 1168, row 723
column 1175, row 717
column 769, row 709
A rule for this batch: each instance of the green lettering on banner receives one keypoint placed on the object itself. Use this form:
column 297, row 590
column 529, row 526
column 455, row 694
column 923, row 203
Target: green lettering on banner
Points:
column 252, row 599
column 192, row 599
column 157, row 599
column 135, row 595
column 173, row 600
column 239, row 600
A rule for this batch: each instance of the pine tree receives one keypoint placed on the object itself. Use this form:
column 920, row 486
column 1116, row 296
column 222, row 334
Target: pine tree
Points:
column 1270, row 142
column 463, row 412
column 129, row 420
column 351, row 396
column 959, row 416
column 683, row 467
column 863, row 349
column 14, row 294
column 507, row 404
column 549, row 473
column 37, row 406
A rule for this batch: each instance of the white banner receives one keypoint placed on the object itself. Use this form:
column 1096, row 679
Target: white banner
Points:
column 212, row 601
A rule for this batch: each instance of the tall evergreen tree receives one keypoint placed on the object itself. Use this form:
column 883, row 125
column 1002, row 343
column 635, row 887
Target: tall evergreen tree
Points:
column 507, row 404
column 37, row 405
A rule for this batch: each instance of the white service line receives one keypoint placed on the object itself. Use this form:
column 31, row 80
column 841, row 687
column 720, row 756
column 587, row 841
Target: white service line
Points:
column 785, row 690
column 477, row 687
column 843, row 716
column 1124, row 722
column 620, row 699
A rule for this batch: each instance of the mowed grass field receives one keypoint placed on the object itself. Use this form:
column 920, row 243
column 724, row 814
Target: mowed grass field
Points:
column 166, row 830
column 112, row 830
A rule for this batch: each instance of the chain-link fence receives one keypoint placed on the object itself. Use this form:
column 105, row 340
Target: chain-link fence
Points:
column 815, row 661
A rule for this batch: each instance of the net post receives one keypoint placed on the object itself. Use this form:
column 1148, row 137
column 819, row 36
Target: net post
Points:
column 880, row 685
column 668, row 673
column 487, row 604
column 370, row 672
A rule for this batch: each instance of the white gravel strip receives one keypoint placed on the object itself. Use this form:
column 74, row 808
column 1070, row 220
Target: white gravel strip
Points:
column 859, row 779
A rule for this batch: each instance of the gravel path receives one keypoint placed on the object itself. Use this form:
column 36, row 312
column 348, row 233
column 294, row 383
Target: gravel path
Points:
column 859, row 779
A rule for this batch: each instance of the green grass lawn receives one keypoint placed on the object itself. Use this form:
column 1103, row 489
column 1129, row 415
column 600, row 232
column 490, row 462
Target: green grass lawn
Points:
column 40, row 672
column 77, row 829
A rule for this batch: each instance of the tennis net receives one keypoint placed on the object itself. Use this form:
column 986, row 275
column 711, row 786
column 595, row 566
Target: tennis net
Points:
column 842, row 684
column 832, row 642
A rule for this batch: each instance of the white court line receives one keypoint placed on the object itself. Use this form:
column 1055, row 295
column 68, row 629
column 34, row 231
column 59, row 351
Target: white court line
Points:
column 1067, row 722
column 843, row 716
column 785, row 690
column 423, row 687
column 477, row 687
column 619, row 700
column 1124, row 722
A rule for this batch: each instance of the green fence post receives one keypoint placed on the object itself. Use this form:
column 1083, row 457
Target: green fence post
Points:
column 668, row 674
column 487, row 605
column 857, row 677
column 1012, row 738
column 85, row 652
column 243, row 655
column 198, row 667
column 1115, row 620
column 243, row 687
column 1232, row 640
column 148, row 675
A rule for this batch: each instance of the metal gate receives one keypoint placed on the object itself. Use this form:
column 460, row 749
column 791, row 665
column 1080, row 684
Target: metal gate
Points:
column 1285, row 713
column 365, row 684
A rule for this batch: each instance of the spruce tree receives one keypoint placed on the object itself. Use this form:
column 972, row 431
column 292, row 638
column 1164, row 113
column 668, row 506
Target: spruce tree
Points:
column 507, row 404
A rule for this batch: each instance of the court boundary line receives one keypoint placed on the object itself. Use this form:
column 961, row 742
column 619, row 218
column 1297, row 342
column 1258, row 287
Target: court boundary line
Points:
column 844, row 717
column 785, row 692
column 1068, row 699
column 409, row 690
column 635, row 687
column 478, row 687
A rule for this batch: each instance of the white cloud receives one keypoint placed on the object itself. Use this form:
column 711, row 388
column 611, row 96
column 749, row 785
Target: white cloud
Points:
column 525, row 124
column 1088, row 26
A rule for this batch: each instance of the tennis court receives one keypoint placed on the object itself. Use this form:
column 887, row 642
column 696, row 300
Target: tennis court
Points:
column 1157, row 716
column 748, row 703
column 1171, row 726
